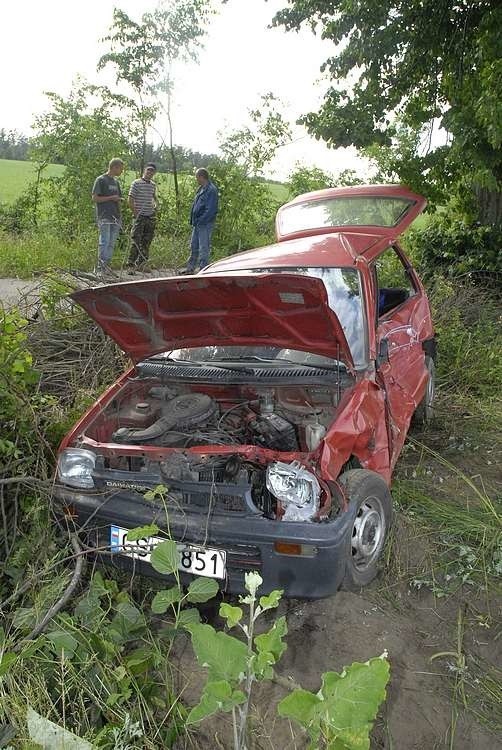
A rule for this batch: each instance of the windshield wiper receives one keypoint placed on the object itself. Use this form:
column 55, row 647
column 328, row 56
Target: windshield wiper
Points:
column 208, row 363
column 275, row 361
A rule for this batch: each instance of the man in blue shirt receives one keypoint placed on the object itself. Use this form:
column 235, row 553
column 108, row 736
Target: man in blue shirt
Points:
column 202, row 216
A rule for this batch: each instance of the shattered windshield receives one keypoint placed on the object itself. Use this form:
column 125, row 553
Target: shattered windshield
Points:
column 343, row 288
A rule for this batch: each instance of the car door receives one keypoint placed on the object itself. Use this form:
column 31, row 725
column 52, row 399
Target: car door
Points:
column 402, row 325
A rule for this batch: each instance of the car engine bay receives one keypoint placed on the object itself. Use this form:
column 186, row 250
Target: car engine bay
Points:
column 284, row 418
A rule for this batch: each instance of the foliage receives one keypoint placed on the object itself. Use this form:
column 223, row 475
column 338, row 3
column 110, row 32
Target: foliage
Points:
column 83, row 132
column 13, row 145
column 452, row 246
column 340, row 715
column 425, row 62
column 101, row 670
column 18, row 381
column 255, row 145
column 467, row 320
column 246, row 210
column 304, row 179
column 140, row 52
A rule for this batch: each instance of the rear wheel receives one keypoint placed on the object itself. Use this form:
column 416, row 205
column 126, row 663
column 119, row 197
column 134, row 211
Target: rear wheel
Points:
column 370, row 508
column 425, row 410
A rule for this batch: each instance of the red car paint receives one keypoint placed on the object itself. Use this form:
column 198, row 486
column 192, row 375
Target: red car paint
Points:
column 223, row 305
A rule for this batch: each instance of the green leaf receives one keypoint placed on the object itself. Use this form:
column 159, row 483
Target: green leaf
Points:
column 165, row 557
column 142, row 532
column 232, row 615
column 271, row 642
column 271, row 601
column 62, row 641
column 201, row 590
column 299, row 705
column 344, row 707
column 164, row 599
column 223, row 655
column 6, row 661
column 188, row 617
column 252, row 582
column 351, row 700
column 217, row 696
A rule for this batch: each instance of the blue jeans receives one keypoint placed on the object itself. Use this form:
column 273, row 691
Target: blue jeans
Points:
column 108, row 234
column 200, row 245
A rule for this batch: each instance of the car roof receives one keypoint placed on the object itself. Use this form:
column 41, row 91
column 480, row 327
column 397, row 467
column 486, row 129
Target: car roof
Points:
column 337, row 249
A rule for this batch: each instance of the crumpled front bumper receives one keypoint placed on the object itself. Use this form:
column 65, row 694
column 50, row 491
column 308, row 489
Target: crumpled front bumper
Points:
column 247, row 538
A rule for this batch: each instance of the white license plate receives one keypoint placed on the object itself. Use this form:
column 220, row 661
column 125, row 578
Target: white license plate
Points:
column 200, row 561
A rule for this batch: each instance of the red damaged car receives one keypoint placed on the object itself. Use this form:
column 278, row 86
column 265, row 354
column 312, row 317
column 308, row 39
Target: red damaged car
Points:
column 270, row 396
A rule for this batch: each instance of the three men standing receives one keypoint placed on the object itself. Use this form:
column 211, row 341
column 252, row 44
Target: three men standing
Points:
column 106, row 195
column 143, row 204
column 202, row 216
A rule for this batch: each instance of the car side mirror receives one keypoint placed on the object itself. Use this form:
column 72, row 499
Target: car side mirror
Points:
column 383, row 352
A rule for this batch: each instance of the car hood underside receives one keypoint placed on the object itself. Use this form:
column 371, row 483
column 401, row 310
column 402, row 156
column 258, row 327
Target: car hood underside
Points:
column 159, row 315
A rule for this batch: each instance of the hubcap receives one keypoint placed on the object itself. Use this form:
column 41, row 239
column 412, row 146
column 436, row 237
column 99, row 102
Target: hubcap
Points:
column 429, row 394
column 367, row 533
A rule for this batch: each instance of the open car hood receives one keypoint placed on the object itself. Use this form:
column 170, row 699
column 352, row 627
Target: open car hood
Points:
column 382, row 210
column 282, row 310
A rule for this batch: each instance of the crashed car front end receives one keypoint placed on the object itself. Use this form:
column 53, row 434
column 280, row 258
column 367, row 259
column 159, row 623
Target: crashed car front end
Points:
column 230, row 471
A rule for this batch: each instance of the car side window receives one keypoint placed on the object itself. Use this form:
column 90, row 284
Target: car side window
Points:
column 394, row 283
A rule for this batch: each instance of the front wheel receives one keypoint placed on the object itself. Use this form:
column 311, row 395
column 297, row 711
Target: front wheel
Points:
column 370, row 508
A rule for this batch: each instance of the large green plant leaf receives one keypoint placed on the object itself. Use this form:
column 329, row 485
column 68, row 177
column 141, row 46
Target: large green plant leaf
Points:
column 223, row 655
column 344, row 707
column 164, row 557
column 201, row 590
column 218, row 695
column 163, row 599
column 271, row 642
column 142, row 532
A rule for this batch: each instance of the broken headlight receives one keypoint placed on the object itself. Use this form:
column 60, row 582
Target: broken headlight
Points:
column 296, row 488
column 75, row 467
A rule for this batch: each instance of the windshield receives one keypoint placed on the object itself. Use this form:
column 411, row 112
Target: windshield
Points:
column 342, row 212
column 343, row 288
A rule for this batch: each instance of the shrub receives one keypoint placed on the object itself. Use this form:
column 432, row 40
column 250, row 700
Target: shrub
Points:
column 449, row 244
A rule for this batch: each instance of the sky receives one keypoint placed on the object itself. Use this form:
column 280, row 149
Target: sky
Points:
column 49, row 43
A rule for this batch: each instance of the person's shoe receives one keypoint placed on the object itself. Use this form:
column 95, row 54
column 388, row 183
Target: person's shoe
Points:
column 186, row 271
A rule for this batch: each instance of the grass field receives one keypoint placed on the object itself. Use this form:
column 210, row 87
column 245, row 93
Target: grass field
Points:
column 16, row 175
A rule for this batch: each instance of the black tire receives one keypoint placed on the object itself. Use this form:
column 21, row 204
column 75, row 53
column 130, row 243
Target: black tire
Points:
column 424, row 412
column 370, row 509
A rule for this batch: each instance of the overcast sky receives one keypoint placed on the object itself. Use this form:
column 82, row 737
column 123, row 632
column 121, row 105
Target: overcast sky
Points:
column 46, row 44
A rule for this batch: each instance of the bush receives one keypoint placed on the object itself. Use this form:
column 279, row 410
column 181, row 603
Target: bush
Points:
column 455, row 247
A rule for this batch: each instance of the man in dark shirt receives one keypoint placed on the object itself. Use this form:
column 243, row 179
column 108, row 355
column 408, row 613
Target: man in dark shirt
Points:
column 202, row 216
column 106, row 195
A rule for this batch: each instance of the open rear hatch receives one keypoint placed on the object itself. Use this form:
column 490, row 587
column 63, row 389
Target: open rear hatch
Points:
column 383, row 210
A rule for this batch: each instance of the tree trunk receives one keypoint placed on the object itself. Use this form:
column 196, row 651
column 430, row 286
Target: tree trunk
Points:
column 489, row 206
column 173, row 155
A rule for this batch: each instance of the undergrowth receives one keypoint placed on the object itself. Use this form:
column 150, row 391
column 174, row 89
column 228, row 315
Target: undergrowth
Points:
column 102, row 666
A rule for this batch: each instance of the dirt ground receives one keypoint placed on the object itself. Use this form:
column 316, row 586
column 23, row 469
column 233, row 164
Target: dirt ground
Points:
column 431, row 705
column 328, row 634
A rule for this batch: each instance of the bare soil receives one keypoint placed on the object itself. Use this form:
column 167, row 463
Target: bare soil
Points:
column 430, row 704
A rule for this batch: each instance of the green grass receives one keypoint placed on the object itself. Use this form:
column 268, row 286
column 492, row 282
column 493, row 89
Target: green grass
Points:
column 15, row 176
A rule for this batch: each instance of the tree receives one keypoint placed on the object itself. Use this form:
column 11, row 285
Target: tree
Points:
column 423, row 63
column 255, row 145
column 143, row 54
column 83, row 132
